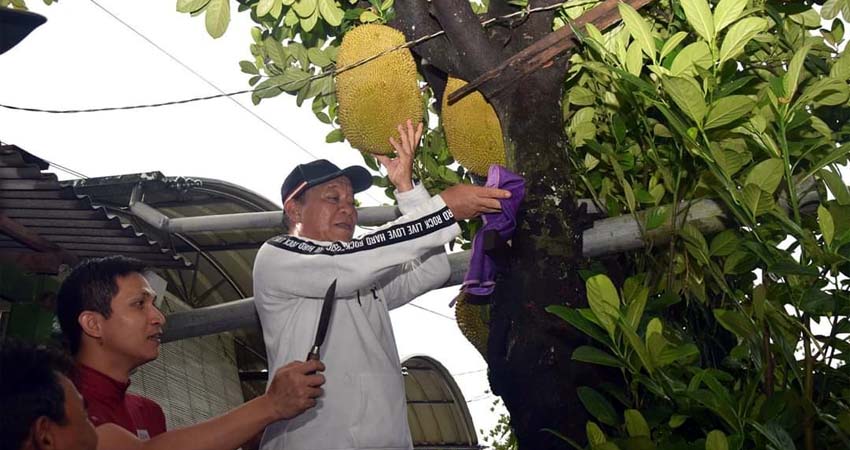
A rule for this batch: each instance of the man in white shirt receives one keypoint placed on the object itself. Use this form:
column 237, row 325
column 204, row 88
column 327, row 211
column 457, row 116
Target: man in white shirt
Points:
column 364, row 402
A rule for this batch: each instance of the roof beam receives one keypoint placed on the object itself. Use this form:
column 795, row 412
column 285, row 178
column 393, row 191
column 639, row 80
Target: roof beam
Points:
column 33, row 240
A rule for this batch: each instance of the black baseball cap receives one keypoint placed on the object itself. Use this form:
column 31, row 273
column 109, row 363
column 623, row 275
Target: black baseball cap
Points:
column 15, row 25
column 305, row 176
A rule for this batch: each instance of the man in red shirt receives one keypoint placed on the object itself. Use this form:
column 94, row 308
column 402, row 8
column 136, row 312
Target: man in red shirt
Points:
column 106, row 311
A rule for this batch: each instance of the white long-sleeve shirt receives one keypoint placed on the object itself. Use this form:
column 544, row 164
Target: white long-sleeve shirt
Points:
column 364, row 405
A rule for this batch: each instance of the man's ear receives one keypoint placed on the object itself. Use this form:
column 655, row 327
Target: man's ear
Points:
column 293, row 211
column 91, row 323
column 41, row 434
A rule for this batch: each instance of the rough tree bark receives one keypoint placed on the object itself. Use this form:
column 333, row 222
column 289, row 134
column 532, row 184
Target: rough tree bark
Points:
column 529, row 350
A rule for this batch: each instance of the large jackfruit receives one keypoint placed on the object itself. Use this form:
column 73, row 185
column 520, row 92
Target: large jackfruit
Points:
column 473, row 131
column 474, row 322
column 378, row 96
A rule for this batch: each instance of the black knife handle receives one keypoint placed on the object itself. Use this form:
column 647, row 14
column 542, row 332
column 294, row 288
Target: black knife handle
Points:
column 313, row 356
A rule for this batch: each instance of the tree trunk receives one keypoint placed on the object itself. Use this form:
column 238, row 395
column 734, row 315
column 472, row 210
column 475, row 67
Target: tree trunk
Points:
column 529, row 349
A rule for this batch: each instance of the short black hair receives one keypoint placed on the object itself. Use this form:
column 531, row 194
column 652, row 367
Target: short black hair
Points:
column 90, row 287
column 29, row 389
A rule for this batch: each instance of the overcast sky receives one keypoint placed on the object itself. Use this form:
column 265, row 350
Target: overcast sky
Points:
column 84, row 58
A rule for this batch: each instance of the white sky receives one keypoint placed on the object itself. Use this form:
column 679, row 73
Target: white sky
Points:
column 83, row 58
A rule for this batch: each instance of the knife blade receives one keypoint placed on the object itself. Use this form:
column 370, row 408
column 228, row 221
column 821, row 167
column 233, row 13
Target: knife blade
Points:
column 324, row 321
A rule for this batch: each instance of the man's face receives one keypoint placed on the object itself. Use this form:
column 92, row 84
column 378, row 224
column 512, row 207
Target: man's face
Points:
column 134, row 328
column 326, row 212
column 77, row 433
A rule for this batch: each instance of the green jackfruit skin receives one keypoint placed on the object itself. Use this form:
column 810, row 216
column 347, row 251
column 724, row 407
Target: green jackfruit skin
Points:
column 376, row 97
column 473, row 321
column 473, row 131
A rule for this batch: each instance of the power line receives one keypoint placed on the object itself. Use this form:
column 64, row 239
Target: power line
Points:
column 332, row 71
column 214, row 86
column 204, row 79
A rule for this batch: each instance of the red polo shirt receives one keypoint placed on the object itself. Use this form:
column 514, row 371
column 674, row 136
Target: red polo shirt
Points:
column 107, row 401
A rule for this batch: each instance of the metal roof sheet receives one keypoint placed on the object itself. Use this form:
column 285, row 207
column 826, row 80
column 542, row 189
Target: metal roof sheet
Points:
column 46, row 224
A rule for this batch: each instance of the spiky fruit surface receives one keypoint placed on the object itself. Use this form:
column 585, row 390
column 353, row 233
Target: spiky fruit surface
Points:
column 473, row 131
column 378, row 96
column 473, row 321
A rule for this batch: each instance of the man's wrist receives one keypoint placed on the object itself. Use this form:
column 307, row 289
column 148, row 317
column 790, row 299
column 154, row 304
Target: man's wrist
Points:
column 268, row 408
column 404, row 187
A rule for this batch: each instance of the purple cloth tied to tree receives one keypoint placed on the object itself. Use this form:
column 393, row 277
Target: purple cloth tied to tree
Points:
column 481, row 275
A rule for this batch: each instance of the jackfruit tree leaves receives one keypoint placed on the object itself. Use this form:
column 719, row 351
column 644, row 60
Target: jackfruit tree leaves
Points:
column 217, row 17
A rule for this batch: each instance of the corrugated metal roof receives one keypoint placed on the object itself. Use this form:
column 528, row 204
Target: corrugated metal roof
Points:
column 436, row 408
column 46, row 224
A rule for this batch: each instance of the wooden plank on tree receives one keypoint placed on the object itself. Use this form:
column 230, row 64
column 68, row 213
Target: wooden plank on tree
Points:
column 539, row 54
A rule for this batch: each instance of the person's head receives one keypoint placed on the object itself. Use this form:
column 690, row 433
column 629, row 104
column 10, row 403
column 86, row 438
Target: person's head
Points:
column 42, row 409
column 318, row 200
column 107, row 305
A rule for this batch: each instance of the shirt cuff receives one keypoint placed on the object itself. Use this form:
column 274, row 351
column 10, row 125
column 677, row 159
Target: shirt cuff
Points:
column 409, row 200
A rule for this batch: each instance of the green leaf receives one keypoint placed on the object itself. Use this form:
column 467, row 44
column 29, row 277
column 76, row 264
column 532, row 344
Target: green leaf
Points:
column 594, row 355
column 792, row 268
column 248, row 67
column 581, row 96
column 826, row 92
column 190, row 6
column 332, row 13
column 217, row 17
column 264, row 6
column 268, row 88
column 637, row 345
column 304, row 8
column 724, row 243
column 728, row 11
column 676, row 420
column 730, row 161
column 841, row 67
column 791, row 79
column 669, row 354
column 335, row 136
column 727, row 110
column 739, row 35
column 716, row 440
column 735, row 322
column 308, row 23
column 318, row 57
column 767, row 175
column 275, row 51
column 836, row 186
column 756, row 200
column 595, row 436
column 635, row 423
column 597, row 405
column 368, row 16
column 604, row 301
column 656, row 217
column 687, row 95
column 575, row 318
column 697, row 54
column 699, row 16
column 672, row 43
column 634, row 312
column 827, row 226
column 638, row 28
column 634, row 58
column 777, row 437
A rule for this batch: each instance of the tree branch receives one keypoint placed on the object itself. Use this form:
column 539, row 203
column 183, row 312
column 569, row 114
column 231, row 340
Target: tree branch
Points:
column 535, row 25
column 464, row 30
column 542, row 52
column 414, row 20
